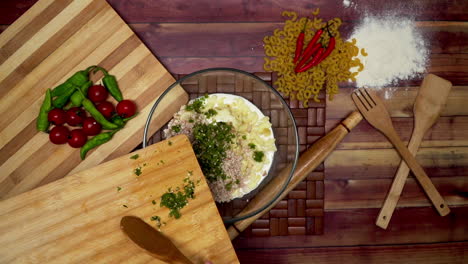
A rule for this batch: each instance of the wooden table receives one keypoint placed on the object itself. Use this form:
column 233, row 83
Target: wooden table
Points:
column 191, row 35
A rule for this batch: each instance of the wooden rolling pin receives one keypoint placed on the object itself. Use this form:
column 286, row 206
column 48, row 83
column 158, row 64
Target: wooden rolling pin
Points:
column 307, row 162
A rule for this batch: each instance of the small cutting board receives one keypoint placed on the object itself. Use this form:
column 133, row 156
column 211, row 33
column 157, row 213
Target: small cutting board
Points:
column 77, row 219
column 44, row 47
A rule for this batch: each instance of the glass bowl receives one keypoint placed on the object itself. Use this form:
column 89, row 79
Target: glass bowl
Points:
column 268, row 101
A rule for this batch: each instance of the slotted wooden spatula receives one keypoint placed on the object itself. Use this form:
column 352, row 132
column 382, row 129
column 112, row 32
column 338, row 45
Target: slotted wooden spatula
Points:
column 430, row 101
column 374, row 111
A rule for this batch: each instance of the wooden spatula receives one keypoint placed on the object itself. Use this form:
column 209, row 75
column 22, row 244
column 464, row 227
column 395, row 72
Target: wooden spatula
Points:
column 430, row 101
column 153, row 241
column 374, row 111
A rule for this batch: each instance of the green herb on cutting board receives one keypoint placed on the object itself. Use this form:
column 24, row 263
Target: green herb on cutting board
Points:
column 137, row 171
column 177, row 200
column 136, row 156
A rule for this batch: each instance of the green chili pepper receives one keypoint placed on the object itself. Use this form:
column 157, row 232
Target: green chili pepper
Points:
column 89, row 106
column 42, row 122
column 96, row 141
column 61, row 100
column 77, row 97
column 61, row 89
column 118, row 120
column 130, row 117
column 77, row 79
column 81, row 77
column 110, row 82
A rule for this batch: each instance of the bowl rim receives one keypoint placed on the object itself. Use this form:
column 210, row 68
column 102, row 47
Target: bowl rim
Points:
column 288, row 110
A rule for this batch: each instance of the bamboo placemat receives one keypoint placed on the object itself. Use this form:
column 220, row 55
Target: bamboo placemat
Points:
column 301, row 212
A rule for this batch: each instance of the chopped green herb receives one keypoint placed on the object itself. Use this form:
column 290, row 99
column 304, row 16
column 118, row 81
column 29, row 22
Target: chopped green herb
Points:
column 210, row 144
column 237, row 181
column 197, row 105
column 162, row 161
column 191, row 120
column 258, row 156
column 153, row 202
column 177, row 200
column 244, row 137
column 125, row 206
column 176, row 128
column 158, row 220
column 228, row 186
column 137, row 171
column 169, row 143
column 190, row 173
column 136, row 156
column 251, row 145
column 210, row 113
column 119, row 188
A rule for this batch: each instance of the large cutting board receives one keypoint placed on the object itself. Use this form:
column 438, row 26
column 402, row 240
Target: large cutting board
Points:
column 76, row 219
column 45, row 46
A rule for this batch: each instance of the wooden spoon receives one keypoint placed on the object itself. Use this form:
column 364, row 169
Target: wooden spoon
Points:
column 153, row 241
column 429, row 103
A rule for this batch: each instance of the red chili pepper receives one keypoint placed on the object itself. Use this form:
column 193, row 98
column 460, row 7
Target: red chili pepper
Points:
column 307, row 56
column 311, row 45
column 331, row 46
column 300, row 44
column 313, row 61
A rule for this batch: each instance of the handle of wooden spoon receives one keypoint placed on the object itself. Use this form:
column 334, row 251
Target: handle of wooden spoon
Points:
column 398, row 183
column 436, row 199
column 307, row 162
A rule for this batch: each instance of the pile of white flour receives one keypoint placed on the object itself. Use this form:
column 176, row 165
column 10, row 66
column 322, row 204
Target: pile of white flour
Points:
column 396, row 51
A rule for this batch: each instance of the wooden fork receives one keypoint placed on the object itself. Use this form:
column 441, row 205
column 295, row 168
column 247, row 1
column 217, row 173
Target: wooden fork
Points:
column 374, row 111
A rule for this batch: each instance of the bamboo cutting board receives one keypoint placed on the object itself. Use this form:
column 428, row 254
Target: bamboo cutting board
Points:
column 77, row 219
column 44, row 47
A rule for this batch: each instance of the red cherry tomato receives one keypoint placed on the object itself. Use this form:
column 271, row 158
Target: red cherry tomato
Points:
column 57, row 116
column 59, row 135
column 97, row 93
column 77, row 138
column 126, row 108
column 106, row 108
column 75, row 116
column 91, row 127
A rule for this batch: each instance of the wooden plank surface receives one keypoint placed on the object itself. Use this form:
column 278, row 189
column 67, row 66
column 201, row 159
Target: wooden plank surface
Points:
column 43, row 48
column 428, row 253
column 77, row 219
column 228, row 33
column 354, row 227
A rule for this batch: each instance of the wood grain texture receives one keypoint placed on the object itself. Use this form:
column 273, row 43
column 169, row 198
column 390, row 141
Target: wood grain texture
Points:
column 450, row 131
column 77, row 219
column 41, row 50
column 429, row 253
column 185, row 36
column 370, row 193
column 399, row 101
column 139, row 11
column 354, row 227
column 246, row 39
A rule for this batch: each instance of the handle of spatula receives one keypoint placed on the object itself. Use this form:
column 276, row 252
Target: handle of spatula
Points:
column 426, row 183
column 307, row 162
column 398, row 183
